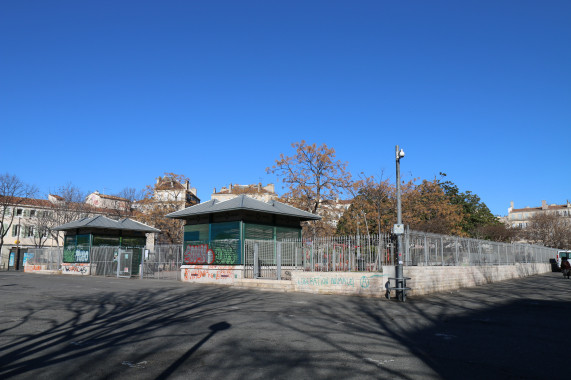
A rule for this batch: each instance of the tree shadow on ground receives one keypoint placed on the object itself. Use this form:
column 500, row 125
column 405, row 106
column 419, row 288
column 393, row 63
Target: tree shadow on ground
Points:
column 503, row 330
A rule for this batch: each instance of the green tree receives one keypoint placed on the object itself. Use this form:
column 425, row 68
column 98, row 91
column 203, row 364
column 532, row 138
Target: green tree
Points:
column 475, row 213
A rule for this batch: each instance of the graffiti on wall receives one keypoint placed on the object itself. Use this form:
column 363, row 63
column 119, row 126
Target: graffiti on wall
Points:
column 32, row 268
column 75, row 269
column 209, row 273
column 318, row 281
column 199, row 254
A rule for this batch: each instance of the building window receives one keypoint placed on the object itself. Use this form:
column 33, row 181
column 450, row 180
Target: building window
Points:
column 19, row 212
column 32, row 213
column 15, row 230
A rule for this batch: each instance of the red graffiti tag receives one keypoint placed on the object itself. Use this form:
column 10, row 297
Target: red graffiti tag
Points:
column 198, row 254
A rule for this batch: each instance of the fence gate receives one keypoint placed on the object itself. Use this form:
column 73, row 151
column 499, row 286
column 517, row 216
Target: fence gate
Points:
column 271, row 260
column 124, row 263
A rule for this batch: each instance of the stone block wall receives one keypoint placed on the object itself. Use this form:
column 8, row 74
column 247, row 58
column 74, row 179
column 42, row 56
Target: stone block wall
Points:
column 213, row 274
column 433, row 279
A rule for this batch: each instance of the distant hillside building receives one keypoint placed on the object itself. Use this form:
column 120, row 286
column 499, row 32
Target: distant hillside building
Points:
column 257, row 191
column 96, row 199
column 168, row 189
column 521, row 217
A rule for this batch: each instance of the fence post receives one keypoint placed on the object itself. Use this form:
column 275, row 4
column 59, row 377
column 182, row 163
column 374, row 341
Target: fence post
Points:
column 425, row 251
column 442, row 250
column 279, row 261
column 295, row 256
column 142, row 265
column 256, row 264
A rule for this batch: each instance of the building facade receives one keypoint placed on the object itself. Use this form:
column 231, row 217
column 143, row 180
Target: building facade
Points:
column 257, row 191
column 521, row 217
column 28, row 223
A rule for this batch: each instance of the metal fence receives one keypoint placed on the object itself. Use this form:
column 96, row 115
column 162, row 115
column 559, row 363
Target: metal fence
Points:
column 269, row 259
column 44, row 258
column 432, row 249
column 275, row 260
column 369, row 253
column 162, row 262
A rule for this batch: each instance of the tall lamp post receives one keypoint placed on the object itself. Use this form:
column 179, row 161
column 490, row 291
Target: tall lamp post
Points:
column 399, row 230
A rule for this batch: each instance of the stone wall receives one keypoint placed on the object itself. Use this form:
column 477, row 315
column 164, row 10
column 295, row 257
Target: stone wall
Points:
column 214, row 274
column 348, row 283
column 432, row 279
column 40, row 269
column 424, row 279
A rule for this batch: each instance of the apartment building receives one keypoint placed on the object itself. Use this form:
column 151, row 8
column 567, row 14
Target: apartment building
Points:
column 256, row 191
column 28, row 222
column 521, row 217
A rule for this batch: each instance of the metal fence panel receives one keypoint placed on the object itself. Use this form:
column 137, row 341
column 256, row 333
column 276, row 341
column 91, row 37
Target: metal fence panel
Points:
column 434, row 249
column 162, row 262
column 49, row 258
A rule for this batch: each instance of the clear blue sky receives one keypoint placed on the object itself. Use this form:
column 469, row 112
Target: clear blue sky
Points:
column 110, row 94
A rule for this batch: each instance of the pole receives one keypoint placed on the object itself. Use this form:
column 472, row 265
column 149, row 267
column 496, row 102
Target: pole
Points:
column 398, row 268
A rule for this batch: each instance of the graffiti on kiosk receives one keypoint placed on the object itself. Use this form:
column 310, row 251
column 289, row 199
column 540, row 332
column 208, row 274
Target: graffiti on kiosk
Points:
column 198, row 254
column 226, row 253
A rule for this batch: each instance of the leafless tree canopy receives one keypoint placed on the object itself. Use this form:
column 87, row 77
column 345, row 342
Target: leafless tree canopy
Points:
column 550, row 230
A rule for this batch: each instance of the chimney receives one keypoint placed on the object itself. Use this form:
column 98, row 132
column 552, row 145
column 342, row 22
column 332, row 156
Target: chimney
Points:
column 187, row 185
column 158, row 180
column 544, row 205
column 214, row 191
column 230, row 187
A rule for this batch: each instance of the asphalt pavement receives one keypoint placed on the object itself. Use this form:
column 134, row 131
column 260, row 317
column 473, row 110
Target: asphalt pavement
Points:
column 72, row 327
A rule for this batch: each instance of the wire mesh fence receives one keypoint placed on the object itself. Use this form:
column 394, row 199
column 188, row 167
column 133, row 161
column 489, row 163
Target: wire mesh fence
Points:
column 163, row 262
column 48, row 258
column 433, row 249
column 277, row 259
column 273, row 259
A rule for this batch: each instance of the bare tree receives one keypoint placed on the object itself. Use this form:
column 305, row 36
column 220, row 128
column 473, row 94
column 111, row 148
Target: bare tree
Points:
column 68, row 205
column 124, row 201
column 13, row 192
column 315, row 181
column 168, row 194
column 550, row 230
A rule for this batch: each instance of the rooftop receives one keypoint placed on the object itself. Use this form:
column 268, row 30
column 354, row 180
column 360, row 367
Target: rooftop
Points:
column 243, row 202
column 102, row 222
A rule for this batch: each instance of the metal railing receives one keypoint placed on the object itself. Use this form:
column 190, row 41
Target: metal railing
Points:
column 276, row 259
column 423, row 248
column 49, row 258
column 162, row 262
column 269, row 259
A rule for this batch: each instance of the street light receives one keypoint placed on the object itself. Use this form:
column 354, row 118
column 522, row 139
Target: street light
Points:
column 399, row 230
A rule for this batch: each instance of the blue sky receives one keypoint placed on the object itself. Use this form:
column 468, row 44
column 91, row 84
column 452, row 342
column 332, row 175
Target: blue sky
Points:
column 111, row 94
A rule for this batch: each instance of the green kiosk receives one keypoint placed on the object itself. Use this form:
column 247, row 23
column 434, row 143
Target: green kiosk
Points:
column 102, row 246
column 216, row 236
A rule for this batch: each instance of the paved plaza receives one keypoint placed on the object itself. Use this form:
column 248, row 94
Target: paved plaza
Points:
column 73, row 327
